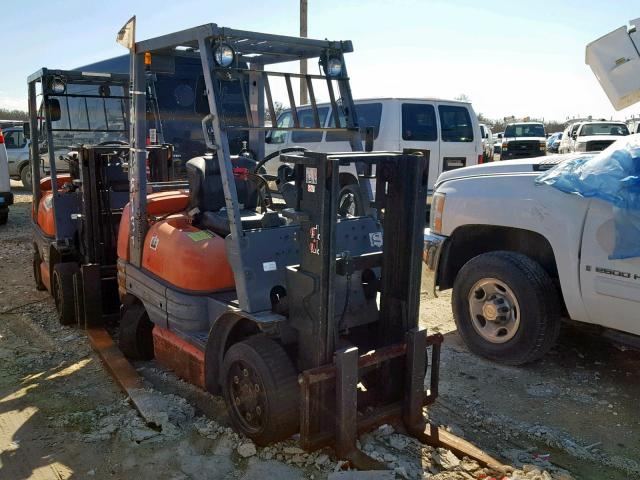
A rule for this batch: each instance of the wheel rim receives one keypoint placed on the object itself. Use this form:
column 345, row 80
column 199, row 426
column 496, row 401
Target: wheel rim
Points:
column 347, row 205
column 494, row 310
column 248, row 397
column 27, row 176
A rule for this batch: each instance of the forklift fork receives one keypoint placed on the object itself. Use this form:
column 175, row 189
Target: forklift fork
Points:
column 406, row 415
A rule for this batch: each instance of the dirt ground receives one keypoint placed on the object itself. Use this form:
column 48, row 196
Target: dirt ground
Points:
column 62, row 416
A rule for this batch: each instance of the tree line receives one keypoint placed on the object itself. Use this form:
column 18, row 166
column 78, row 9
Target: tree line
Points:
column 6, row 114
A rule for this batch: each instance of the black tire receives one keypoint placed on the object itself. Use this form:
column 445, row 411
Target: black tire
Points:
column 135, row 337
column 63, row 292
column 37, row 274
column 351, row 201
column 274, row 404
column 25, row 176
column 536, row 296
column 4, row 216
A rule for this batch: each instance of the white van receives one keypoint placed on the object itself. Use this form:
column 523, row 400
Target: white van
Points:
column 449, row 129
column 6, row 197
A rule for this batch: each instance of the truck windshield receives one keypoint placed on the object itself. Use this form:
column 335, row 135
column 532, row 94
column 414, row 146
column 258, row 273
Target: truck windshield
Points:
column 90, row 114
column 591, row 129
column 524, row 130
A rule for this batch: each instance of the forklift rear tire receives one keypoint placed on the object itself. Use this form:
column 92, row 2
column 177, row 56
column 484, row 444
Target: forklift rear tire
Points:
column 63, row 292
column 260, row 388
column 4, row 215
column 135, row 335
column 37, row 274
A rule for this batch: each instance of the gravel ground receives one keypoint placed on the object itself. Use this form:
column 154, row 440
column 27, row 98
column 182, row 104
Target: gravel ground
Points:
column 61, row 415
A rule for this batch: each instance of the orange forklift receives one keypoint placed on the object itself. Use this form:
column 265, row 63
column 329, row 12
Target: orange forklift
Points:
column 305, row 320
column 77, row 138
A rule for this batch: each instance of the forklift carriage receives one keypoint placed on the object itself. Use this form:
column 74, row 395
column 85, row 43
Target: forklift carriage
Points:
column 82, row 121
column 317, row 332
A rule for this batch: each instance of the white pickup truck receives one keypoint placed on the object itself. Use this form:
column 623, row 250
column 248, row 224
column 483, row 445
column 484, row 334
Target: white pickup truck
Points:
column 520, row 257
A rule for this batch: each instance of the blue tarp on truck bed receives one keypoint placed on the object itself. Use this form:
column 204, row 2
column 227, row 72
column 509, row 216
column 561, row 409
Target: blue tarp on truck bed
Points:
column 612, row 176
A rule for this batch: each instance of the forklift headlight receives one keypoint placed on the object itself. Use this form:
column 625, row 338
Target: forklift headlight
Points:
column 224, row 55
column 333, row 67
column 57, row 86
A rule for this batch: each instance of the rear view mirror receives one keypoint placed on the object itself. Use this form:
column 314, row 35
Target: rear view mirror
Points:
column 53, row 109
column 26, row 129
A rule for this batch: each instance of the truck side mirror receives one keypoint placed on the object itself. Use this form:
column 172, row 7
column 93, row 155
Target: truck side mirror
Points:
column 53, row 108
column 26, row 129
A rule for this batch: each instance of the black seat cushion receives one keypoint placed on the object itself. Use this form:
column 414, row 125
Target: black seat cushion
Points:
column 205, row 184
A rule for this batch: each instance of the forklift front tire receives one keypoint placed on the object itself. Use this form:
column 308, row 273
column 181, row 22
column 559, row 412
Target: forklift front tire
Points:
column 261, row 390
column 63, row 292
column 135, row 336
column 4, row 215
column 37, row 273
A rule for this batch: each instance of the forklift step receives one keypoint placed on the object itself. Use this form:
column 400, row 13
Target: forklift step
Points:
column 183, row 358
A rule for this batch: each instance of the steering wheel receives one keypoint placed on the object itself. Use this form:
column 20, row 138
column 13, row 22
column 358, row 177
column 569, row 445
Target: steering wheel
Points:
column 273, row 155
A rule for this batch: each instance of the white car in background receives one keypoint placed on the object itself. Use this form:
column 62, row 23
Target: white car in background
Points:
column 596, row 136
column 566, row 144
column 6, row 197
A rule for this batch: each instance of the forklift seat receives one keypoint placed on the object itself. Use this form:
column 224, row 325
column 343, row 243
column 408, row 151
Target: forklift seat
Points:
column 207, row 194
column 205, row 184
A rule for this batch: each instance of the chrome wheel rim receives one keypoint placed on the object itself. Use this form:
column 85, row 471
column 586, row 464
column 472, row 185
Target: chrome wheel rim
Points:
column 494, row 310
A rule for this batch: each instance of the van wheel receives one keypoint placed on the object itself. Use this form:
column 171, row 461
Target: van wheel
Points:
column 25, row 176
column 260, row 388
column 63, row 294
column 506, row 307
column 4, row 216
column 135, row 337
column 37, row 273
column 350, row 201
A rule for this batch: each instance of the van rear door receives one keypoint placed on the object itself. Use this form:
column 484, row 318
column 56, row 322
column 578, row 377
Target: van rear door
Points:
column 459, row 142
column 419, row 131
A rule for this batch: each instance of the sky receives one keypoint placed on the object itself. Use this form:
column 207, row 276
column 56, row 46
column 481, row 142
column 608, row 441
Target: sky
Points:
column 509, row 57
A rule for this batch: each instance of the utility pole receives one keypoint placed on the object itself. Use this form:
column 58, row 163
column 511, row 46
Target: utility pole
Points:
column 303, row 63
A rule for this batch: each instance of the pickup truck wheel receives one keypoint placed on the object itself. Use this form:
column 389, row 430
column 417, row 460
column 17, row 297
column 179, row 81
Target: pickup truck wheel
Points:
column 506, row 307
column 25, row 176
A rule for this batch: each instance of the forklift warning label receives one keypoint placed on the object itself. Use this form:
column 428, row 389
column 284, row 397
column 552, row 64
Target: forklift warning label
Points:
column 153, row 245
column 312, row 175
column 269, row 266
column 314, row 240
column 375, row 239
column 200, row 235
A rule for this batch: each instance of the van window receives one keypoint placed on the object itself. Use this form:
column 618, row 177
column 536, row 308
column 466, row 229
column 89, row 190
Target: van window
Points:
column 285, row 120
column 419, row 122
column 455, row 123
column 305, row 117
column 369, row 115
